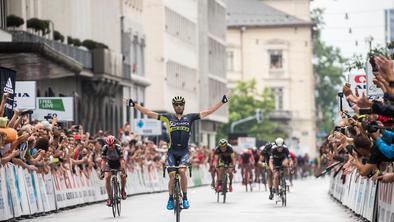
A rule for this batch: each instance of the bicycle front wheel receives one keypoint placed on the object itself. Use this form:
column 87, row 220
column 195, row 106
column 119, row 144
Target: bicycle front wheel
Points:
column 224, row 187
column 118, row 202
column 114, row 196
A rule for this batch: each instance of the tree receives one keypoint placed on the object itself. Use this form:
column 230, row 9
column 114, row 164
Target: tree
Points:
column 328, row 70
column 244, row 101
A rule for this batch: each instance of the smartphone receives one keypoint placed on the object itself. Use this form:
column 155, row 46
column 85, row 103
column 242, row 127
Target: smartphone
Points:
column 26, row 112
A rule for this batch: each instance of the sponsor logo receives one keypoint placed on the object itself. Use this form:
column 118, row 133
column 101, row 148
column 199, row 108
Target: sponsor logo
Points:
column 8, row 87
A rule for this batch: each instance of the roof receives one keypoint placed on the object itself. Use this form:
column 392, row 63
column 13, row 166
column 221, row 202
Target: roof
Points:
column 255, row 13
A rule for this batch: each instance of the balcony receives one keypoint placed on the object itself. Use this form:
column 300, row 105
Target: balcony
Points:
column 82, row 56
column 280, row 115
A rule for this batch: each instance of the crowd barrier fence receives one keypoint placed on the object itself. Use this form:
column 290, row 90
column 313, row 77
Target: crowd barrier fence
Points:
column 27, row 193
column 367, row 198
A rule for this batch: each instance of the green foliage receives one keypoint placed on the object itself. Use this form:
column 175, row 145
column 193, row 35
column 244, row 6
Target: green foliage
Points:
column 328, row 70
column 90, row 44
column 38, row 25
column 77, row 42
column 70, row 40
column 14, row 21
column 357, row 62
column 244, row 101
column 58, row 36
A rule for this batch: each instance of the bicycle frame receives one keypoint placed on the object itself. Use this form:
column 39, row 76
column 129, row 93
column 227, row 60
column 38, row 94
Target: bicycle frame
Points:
column 177, row 190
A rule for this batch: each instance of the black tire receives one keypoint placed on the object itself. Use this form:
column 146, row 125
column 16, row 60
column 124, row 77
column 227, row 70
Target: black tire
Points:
column 114, row 196
column 119, row 201
column 224, row 187
column 177, row 207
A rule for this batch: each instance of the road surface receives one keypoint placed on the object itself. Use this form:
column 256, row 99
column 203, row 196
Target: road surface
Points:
column 308, row 201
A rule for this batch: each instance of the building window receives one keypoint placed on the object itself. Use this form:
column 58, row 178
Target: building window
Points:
column 276, row 59
column 230, row 61
column 278, row 95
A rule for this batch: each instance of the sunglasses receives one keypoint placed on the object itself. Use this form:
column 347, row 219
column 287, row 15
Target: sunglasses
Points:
column 179, row 104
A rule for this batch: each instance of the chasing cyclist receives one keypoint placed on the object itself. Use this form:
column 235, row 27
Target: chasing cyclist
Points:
column 246, row 163
column 278, row 161
column 225, row 158
column 112, row 159
column 179, row 129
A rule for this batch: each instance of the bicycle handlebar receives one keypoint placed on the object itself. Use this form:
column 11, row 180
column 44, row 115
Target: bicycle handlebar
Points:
column 177, row 167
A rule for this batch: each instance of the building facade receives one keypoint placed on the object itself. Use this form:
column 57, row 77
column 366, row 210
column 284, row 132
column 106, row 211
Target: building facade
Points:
column 389, row 24
column 274, row 47
column 212, row 65
column 187, row 58
column 98, row 79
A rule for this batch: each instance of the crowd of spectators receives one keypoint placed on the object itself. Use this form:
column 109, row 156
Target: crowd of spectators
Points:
column 365, row 140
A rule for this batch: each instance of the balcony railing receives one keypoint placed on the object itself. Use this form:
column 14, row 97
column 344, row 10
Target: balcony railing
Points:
column 82, row 56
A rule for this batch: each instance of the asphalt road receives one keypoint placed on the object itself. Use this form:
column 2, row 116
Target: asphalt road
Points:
column 307, row 201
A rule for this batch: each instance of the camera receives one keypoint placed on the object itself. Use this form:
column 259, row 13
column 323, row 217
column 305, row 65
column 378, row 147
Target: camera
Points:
column 373, row 127
column 340, row 129
column 48, row 117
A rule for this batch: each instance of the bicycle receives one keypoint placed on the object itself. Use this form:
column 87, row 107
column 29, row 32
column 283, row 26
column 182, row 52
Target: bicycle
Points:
column 177, row 191
column 224, row 185
column 247, row 178
column 282, row 186
column 263, row 179
column 116, row 199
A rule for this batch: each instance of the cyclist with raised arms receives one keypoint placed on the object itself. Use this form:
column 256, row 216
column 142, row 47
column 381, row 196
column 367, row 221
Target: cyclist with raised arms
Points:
column 179, row 129
column 225, row 156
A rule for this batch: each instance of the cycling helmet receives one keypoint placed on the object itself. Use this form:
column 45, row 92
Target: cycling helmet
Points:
column 178, row 99
column 279, row 141
column 223, row 142
column 110, row 140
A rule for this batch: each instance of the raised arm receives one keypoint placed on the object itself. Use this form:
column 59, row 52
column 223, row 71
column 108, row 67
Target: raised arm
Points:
column 142, row 109
column 214, row 108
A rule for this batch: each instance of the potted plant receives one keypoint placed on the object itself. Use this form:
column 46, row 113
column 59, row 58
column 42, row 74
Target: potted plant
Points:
column 57, row 36
column 14, row 21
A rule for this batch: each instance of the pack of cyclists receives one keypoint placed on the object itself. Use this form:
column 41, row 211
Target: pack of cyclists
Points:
column 256, row 164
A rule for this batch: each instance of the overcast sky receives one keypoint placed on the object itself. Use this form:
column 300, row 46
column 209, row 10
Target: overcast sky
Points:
column 365, row 18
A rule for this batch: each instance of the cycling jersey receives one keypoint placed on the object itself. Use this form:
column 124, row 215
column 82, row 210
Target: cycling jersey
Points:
column 226, row 156
column 256, row 156
column 112, row 156
column 266, row 152
column 179, row 130
column 279, row 156
column 246, row 158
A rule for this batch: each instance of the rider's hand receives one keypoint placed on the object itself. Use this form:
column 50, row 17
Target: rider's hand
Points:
column 225, row 99
column 131, row 103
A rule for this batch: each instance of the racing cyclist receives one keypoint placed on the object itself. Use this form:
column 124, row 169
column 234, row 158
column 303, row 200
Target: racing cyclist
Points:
column 179, row 128
column 264, row 161
column 246, row 163
column 112, row 159
column 225, row 157
column 279, row 159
